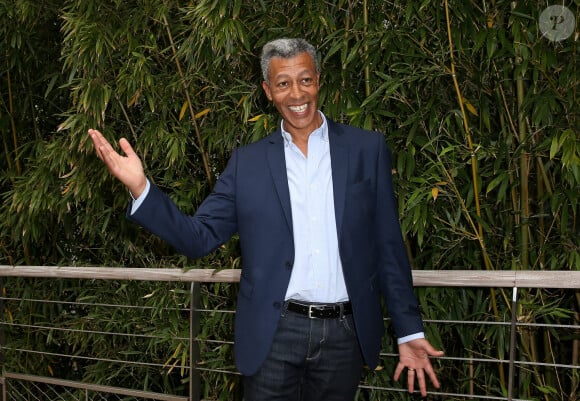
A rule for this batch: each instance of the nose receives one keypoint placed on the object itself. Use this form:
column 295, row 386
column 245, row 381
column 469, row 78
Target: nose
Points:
column 295, row 90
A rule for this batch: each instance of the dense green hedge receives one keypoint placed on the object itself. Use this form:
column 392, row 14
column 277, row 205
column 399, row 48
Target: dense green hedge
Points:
column 480, row 109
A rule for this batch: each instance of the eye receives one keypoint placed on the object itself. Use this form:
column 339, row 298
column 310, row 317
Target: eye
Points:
column 307, row 81
column 282, row 84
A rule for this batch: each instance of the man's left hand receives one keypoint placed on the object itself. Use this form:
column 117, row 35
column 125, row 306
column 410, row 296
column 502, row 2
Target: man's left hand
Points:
column 414, row 355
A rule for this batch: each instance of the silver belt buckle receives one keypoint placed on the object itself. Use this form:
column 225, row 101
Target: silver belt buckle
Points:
column 310, row 309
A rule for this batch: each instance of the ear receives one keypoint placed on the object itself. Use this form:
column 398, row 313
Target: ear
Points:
column 267, row 90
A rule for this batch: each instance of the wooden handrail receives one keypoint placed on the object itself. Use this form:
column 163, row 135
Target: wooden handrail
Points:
column 421, row 278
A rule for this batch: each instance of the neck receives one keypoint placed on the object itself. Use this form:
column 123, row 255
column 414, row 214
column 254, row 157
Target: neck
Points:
column 300, row 138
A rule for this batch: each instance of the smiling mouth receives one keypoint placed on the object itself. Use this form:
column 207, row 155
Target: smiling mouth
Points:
column 298, row 109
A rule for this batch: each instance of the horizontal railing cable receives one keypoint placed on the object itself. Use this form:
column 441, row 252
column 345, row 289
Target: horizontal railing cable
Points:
column 89, row 358
column 490, row 323
column 108, row 333
column 74, row 303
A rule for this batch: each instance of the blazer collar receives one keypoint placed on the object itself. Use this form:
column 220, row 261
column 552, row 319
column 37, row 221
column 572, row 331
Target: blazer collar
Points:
column 277, row 164
column 339, row 163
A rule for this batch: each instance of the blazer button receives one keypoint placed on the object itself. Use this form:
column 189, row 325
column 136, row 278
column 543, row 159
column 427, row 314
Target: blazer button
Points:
column 276, row 305
column 288, row 265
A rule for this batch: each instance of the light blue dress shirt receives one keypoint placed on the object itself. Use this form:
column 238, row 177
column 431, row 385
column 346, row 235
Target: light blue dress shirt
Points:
column 317, row 272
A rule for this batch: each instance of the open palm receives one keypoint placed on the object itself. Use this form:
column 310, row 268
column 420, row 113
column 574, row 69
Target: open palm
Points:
column 128, row 169
column 414, row 355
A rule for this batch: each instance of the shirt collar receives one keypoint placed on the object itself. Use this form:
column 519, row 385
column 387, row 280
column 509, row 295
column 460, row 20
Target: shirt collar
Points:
column 321, row 131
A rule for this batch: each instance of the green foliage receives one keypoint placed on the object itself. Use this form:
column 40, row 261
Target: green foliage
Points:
column 486, row 160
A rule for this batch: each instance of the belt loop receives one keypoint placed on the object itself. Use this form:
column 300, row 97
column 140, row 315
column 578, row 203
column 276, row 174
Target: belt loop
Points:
column 341, row 308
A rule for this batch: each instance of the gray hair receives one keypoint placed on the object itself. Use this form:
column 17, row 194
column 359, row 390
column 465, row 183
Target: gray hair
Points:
column 285, row 48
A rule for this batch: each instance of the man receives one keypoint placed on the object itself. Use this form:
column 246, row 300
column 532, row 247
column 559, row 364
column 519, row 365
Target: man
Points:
column 315, row 210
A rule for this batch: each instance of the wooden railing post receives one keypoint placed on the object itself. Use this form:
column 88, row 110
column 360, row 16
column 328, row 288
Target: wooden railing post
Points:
column 2, row 340
column 194, row 327
column 513, row 330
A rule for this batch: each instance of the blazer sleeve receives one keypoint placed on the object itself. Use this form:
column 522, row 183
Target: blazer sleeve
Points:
column 394, row 267
column 195, row 236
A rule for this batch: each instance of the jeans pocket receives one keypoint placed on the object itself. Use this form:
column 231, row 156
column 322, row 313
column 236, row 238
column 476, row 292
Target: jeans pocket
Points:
column 347, row 323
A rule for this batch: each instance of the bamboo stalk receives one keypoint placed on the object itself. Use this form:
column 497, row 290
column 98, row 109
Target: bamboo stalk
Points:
column 524, row 176
column 366, row 48
column 474, row 173
column 17, row 164
column 12, row 123
column 204, row 156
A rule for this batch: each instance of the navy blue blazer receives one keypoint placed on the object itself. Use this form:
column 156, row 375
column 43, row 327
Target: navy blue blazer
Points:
column 251, row 197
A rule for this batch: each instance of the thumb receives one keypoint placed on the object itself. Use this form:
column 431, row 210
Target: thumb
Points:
column 432, row 351
column 126, row 147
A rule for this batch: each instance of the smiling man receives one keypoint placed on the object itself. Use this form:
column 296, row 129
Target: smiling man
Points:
column 314, row 207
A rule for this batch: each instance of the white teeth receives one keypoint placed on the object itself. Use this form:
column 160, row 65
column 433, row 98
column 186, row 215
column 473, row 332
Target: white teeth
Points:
column 298, row 109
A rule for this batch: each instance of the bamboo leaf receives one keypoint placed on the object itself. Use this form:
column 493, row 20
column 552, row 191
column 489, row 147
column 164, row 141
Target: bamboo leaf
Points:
column 202, row 113
column 255, row 118
column 434, row 193
column 183, row 110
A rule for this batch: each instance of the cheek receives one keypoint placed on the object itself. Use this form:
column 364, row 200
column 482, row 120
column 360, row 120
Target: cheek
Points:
column 276, row 99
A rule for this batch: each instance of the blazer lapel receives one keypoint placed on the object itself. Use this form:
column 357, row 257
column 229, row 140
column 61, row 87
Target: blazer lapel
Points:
column 277, row 164
column 339, row 163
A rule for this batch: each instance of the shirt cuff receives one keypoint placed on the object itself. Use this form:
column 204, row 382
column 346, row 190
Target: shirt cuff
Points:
column 137, row 202
column 411, row 337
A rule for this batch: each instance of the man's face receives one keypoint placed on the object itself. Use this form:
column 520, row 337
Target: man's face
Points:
column 293, row 89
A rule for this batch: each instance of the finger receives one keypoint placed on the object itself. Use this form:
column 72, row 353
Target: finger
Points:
column 398, row 371
column 411, row 380
column 421, row 380
column 102, row 146
column 108, row 155
column 432, row 376
column 96, row 138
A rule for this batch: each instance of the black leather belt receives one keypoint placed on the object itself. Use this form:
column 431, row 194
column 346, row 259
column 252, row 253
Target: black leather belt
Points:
column 320, row 311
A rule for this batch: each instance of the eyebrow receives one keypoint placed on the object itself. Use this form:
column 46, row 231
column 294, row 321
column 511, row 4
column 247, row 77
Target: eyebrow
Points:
column 300, row 74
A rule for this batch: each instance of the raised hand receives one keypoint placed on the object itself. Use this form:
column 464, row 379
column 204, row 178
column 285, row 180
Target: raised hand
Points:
column 128, row 169
column 414, row 355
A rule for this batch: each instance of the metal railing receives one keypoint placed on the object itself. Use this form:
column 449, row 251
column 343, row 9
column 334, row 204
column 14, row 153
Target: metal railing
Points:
column 15, row 384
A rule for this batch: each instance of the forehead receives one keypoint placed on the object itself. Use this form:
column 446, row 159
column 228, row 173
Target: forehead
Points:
column 300, row 64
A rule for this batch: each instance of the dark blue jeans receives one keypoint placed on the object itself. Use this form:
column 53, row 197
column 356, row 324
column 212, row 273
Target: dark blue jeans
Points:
column 310, row 360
